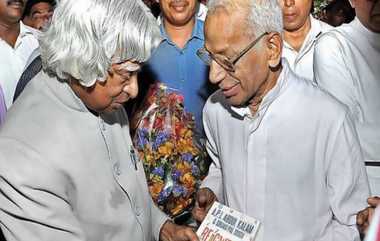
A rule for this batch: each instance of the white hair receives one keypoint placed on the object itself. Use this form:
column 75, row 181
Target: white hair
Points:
column 86, row 36
column 263, row 15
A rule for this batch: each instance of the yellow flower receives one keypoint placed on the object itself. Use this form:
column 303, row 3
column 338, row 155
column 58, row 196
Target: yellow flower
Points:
column 155, row 189
column 188, row 180
column 166, row 149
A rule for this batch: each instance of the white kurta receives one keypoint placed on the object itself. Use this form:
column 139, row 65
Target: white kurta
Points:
column 301, row 62
column 296, row 165
column 13, row 61
column 347, row 64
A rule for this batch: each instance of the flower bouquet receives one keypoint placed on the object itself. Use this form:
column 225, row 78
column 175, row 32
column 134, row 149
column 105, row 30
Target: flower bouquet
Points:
column 175, row 161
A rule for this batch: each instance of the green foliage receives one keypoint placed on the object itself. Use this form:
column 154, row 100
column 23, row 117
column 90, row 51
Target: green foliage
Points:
column 319, row 5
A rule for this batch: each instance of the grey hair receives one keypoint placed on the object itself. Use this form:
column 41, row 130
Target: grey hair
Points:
column 86, row 36
column 263, row 15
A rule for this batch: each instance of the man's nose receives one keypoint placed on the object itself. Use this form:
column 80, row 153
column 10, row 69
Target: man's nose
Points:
column 132, row 88
column 217, row 73
column 288, row 3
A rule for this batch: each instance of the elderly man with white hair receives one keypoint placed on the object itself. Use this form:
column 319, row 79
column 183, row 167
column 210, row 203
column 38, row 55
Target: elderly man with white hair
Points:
column 68, row 170
column 347, row 62
column 284, row 152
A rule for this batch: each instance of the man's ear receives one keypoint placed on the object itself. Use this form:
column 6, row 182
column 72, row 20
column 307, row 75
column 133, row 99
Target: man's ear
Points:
column 274, row 48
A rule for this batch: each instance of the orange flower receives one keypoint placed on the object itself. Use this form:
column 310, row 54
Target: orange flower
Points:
column 166, row 149
column 183, row 167
column 188, row 180
column 155, row 189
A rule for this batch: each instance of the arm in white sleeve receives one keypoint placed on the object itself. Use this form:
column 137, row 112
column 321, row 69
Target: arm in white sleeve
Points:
column 158, row 220
column 214, row 179
column 332, row 70
column 347, row 182
column 33, row 198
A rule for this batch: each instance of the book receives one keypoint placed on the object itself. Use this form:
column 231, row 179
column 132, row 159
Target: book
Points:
column 226, row 224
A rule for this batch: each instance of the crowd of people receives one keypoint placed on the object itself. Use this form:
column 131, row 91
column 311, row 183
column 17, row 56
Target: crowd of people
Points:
column 288, row 105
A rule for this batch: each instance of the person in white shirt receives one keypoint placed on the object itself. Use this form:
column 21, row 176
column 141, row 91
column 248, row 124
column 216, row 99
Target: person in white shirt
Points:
column 283, row 151
column 301, row 30
column 347, row 65
column 17, row 42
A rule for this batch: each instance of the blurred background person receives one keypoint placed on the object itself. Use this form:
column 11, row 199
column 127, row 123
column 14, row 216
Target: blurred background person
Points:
column 338, row 12
column 17, row 42
column 175, row 62
column 301, row 30
column 38, row 13
column 346, row 64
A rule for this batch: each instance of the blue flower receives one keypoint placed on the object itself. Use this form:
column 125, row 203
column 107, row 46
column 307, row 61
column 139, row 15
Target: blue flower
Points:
column 164, row 194
column 187, row 157
column 142, row 137
column 159, row 171
column 195, row 170
column 176, row 175
column 161, row 138
column 179, row 191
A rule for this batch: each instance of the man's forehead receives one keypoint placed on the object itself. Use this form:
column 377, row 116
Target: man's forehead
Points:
column 223, row 27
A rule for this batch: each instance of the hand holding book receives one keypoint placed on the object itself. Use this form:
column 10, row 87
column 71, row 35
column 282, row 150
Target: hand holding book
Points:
column 205, row 198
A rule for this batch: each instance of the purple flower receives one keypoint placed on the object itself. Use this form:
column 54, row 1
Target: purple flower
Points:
column 159, row 171
column 161, row 138
column 187, row 157
column 142, row 137
column 195, row 170
column 164, row 194
column 176, row 175
column 179, row 190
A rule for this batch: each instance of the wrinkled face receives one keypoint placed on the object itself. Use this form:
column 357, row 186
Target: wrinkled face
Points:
column 368, row 11
column 226, row 34
column 178, row 12
column 119, row 87
column 295, row 13
column 40, row 15
column 11, row 10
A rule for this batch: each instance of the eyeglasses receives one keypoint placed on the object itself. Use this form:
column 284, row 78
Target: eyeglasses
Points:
column 226, row 63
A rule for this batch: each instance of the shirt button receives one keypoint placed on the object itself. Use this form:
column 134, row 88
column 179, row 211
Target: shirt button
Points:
column 116, row 168
column 103, row 126
column 138, row 210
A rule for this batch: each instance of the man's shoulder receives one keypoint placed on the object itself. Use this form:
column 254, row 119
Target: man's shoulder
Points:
column 324, row 26
column 311, row 97
column 330, row 43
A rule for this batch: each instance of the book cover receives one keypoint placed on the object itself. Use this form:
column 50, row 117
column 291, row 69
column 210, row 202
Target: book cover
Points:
column 226, row 224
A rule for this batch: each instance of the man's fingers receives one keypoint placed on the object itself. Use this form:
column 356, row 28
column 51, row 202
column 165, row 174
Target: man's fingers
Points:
column 373, row 201
column 199, row 214
column 362, row 217
column 203, row 197
column 190, row 235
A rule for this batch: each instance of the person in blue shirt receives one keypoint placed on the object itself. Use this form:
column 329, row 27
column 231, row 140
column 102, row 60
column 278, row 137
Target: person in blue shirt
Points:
column 175, row 62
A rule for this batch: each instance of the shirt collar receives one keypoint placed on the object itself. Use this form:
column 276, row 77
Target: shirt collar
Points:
column 197, row 31
column 269, row 97
column 315, row 31
column 26, row 30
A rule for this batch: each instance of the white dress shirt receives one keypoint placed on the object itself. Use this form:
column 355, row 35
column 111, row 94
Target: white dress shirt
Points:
column 347, row 64
column 296, row 165
column 13, row 60
column 301, row 62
